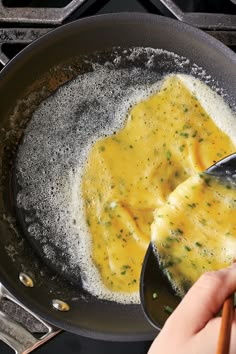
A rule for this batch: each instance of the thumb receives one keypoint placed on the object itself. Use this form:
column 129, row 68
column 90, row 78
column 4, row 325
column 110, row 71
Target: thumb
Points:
column 204, row 300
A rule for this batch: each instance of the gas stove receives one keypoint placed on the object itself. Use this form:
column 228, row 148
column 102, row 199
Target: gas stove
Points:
column 22, row 21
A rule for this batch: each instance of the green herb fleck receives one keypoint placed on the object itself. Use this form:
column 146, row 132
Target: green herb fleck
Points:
column 185, row 135
column 192, row 205
column 207, row 181
column 168, row 309
column 102, row 148
column 203, row 221
column 88, row 222
column 187, row 248
column 181, row 148
column 168, row 155
column 198, row 244
column 169, row 264
column 169, row 275
column 170, row 239
column 124, row 268
column 186, row 126
column 165, row 245
column 154, row 296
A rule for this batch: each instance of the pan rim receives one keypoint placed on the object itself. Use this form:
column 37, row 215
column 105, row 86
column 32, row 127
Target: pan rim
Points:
column 123, row 16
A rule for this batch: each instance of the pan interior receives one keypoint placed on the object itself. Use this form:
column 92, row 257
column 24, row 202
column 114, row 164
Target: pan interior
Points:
column 57, row 138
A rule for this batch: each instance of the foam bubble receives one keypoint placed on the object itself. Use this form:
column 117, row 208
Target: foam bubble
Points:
column 51, row 160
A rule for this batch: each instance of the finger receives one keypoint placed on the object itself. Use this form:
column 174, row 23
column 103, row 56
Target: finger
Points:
column 204, row 299
column 211, row 333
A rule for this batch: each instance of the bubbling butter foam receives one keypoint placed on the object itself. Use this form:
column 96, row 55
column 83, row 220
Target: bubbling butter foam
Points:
column 54, row 150
column 51, row 161
column 213, row 104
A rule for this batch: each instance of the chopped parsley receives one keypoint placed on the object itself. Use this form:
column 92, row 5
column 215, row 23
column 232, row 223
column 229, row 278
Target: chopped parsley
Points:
column 192, row 205
column 102, row 148
column 168, row 155
column 198, row 244
column 185, row 135
column 168, row 309
column 124, row 269
column 154, row 296
column 178, row 232
column 187, row 248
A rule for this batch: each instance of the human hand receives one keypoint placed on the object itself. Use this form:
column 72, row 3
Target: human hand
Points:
column 193, row 327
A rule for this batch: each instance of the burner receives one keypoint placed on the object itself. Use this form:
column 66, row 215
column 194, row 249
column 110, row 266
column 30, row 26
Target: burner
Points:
column 210, row 6
column 36, row 3
column 12, row 39
column 22, row 21
column 37, row 15
column 212, row 19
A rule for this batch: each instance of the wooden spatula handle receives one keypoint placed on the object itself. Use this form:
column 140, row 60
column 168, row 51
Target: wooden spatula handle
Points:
column 226, row 323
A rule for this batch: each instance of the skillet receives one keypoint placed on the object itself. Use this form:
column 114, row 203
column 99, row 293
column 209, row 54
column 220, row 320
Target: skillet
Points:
column 41, row 68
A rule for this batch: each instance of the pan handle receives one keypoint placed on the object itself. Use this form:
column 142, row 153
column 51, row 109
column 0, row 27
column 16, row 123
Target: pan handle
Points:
column 16, row 335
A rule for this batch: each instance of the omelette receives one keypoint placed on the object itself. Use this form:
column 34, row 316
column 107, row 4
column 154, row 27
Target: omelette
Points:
column 195, row 230
column 133, row 185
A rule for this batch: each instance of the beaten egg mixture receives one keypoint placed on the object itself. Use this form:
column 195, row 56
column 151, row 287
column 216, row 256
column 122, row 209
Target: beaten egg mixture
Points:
column 166, row 139
column 195, row 230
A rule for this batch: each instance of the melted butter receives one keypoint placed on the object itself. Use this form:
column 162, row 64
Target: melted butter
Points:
column 195, row 231
column 166, row 139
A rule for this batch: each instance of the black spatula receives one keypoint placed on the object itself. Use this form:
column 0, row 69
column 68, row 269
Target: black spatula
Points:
column 157, row 296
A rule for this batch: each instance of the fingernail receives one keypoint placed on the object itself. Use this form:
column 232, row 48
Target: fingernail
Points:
column 233, row 265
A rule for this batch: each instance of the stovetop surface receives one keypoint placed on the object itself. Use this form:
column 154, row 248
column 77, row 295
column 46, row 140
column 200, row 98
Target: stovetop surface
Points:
column 68, row 343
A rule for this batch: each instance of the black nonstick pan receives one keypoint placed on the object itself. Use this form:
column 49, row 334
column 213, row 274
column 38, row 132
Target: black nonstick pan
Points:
column 40, row 69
